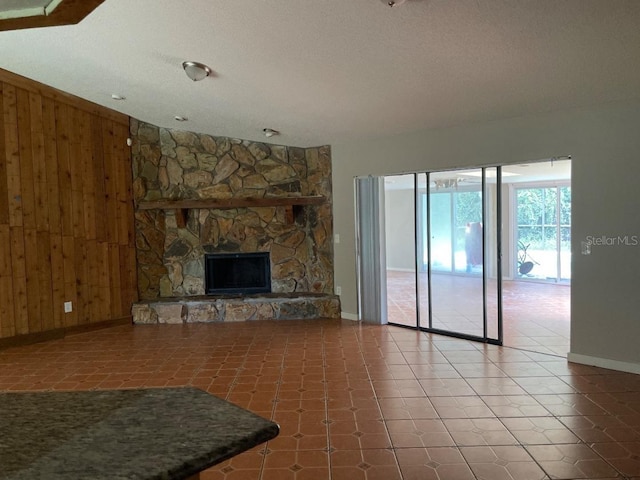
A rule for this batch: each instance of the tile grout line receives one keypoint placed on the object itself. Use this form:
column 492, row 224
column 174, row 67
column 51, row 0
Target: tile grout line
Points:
column 386, row 428
column 276, row 398
column 325, row 390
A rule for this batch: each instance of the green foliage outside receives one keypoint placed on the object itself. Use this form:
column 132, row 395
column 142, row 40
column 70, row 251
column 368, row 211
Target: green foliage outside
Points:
column 537, row 217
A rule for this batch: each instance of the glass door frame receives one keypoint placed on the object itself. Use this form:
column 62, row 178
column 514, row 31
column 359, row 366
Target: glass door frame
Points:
column 419, row 246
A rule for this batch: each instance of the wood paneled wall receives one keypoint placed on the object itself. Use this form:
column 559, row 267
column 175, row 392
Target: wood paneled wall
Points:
column 66, row 211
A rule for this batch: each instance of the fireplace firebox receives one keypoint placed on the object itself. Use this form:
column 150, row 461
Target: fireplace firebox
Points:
column 237, row 273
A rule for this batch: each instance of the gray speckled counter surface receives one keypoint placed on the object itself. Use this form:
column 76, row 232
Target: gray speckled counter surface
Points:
column 168, row 433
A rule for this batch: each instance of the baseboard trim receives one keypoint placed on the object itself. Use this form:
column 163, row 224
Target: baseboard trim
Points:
column 58, row 333
column 604, row 363
column 349, row 316
column 90, row 327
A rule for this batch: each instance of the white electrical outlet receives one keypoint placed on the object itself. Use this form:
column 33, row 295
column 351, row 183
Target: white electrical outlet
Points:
column 338, row 290
column 68, row 307
column 336, row 238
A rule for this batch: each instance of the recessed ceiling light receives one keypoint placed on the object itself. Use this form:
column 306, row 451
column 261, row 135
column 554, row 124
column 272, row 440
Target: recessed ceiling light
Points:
column 270, row 132
column 392, row 3
column 180, row 118
column 115, row 96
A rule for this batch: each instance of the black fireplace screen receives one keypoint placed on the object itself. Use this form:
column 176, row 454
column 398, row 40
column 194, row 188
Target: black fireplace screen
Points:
column 237, row 273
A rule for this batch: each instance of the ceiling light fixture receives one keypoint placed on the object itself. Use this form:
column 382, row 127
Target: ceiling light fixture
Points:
column 393, row 3
column 270, row 132
column 115, row 96
column 179, row 118
column 196, row 71
column 448, row 182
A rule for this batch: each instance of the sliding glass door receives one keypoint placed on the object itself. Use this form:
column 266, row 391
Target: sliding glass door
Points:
column 444, row 251
column 461, row 211
column 452, row 220
column 399, row 209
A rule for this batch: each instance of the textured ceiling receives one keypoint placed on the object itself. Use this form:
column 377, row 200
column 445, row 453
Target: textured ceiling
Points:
column 328, row 71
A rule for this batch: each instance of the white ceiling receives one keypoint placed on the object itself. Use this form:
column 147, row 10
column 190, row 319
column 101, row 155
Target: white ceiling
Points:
column 328, row 71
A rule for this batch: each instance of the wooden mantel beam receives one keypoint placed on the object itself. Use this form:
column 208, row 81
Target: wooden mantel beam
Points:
column 166, row 204
column 181, row 207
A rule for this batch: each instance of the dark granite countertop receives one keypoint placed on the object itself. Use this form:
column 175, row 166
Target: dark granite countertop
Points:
column 167, row 433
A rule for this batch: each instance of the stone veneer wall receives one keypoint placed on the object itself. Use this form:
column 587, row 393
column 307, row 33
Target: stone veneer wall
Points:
column 173, row 164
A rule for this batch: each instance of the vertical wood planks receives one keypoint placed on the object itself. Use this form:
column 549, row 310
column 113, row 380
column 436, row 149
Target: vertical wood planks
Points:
column 69, row 269
column 103, row 294
column 19, row 280
column 77, row 170
column 27, row 194
column 97, row 154
column 55, row 227
column 40, row 190
column 87, row 175
column 7, row 320
column 57, row 280
column 115, row 272
column 4, row 190
column 12, row 154
column 128, row 276
column 45, row 286
column 110, row 181
column 64, row 167
column 66, row 212
column 7, row 317
column 51, row 165
column 123, row 178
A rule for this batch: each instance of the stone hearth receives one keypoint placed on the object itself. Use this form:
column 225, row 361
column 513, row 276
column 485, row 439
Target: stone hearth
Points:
column 209, row 309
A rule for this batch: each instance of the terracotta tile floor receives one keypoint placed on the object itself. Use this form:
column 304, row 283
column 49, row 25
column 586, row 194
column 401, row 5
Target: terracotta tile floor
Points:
column 536, row 316
column 367, row 402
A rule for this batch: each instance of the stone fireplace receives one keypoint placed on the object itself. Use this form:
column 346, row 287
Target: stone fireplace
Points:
column 199, row 195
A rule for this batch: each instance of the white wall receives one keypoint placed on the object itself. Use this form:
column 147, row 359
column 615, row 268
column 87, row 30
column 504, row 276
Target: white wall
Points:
column 605, row 146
